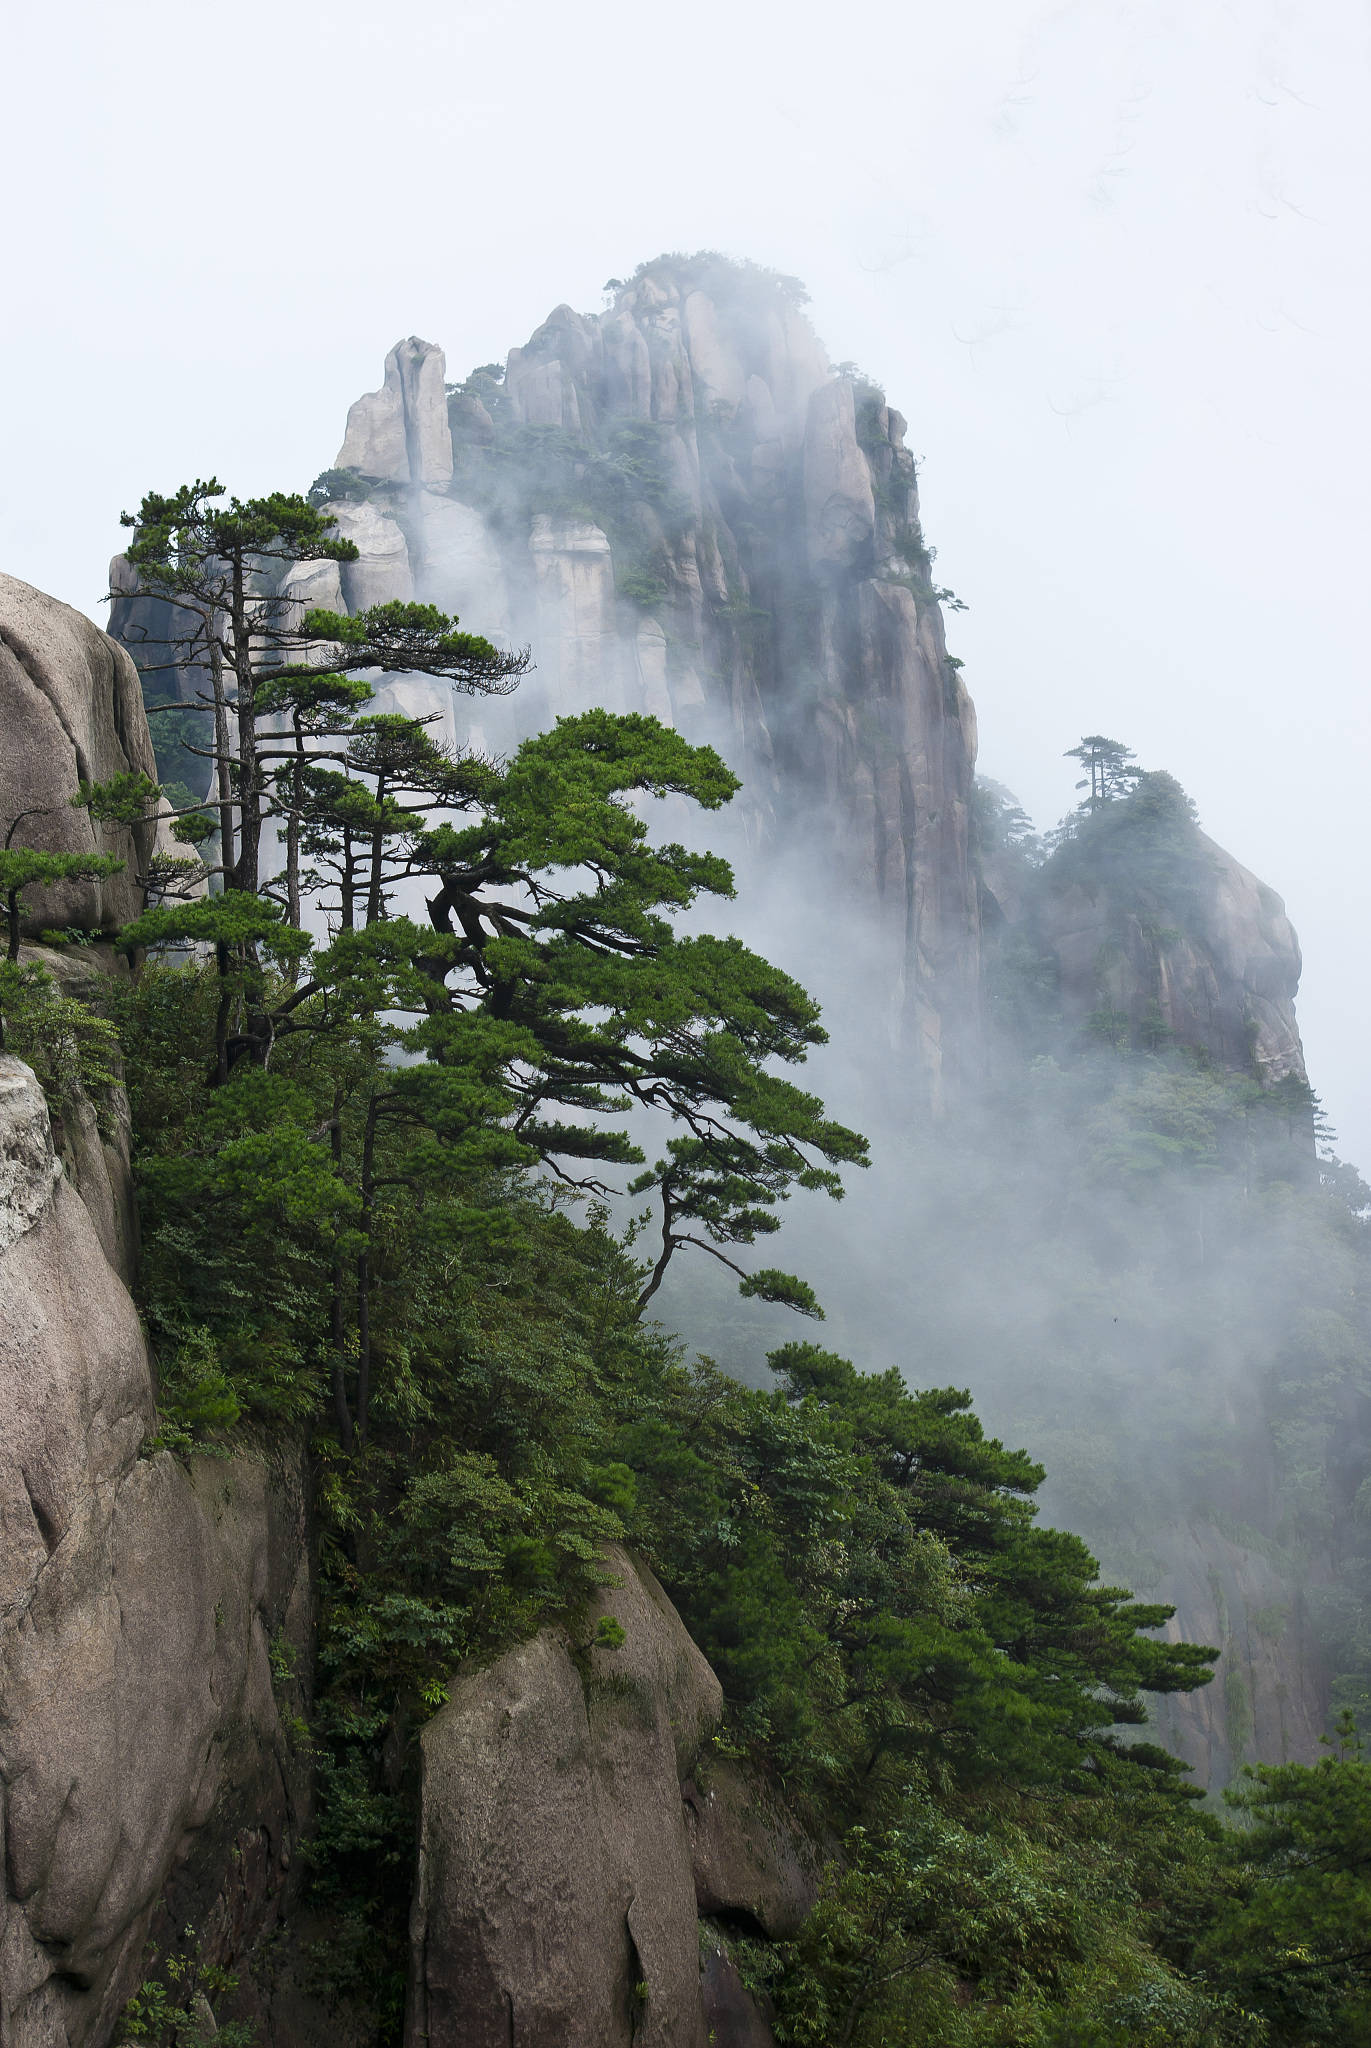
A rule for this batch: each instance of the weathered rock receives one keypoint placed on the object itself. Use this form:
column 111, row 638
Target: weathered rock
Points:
column 839, row 503
column 733, row 2017
column 750, row 578
column 382, row 571
column 542, row 378
column 138, row 1727
column 1218, row 972
column 461, row 570
column 400, row 433
column 1268, row 1700
column 747, row 1856
column 312, row 586
column 71, row 710
column 574, row 571
column 555, row 1903
column 95, row 1142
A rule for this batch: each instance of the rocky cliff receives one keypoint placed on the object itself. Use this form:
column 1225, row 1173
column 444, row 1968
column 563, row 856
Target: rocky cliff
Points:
column 683, row 508
column 157, row 1625
column 686, row 510
column 1149, row 928
column 146, row 1777
column 142, row 1747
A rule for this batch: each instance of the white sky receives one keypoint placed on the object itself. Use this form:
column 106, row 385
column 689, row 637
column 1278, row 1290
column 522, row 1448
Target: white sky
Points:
column 1110, row 259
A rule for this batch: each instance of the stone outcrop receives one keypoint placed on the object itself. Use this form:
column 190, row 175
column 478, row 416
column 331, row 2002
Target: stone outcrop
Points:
column 1221, row 973
column 400, row 433
column 71, row 711
column 94, row 1144
column 567, row 1849
column 681, row 508
column 1268, row 1699
column 1140, row 920
column 141, row 1742
column 747, row 1858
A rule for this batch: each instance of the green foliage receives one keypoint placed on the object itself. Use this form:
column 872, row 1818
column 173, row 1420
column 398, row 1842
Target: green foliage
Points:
column 860, row 1563
column 124, row 800
column 23, row 868
column 179, row 536
column 1109, row 773
column 960, row 1926
column 174, row 2008
column 72, row 1049
column 1291, row 1940
column 404, row 638
column 727, row 279
column 1143, row 845
column 640, row 586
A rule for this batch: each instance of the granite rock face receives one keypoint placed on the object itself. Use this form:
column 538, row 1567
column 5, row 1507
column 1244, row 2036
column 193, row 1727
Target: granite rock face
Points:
column 1220, row 974
column 71, row 710
column 400, row 434
column 1268, row 1701
column 95, row 1145
column 560, row 1883
column 140, row 1739
column 746, row 1854
column 681, row 508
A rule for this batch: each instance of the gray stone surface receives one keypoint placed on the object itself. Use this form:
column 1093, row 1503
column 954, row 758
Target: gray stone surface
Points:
column 1267, row 1701
column 138, row 1727
column 555, row 1904
column 400, row 433
column 733, row 2017
column 746, row 1854
column 382, row 570
column 71, row 710
column 95, row 1144
column 28, row 1166
column 840, row 506
column 1222, row 969
column 745, row 591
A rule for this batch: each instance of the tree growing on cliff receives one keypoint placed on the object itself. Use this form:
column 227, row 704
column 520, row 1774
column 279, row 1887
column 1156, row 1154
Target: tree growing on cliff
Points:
column 547, row 994
column 221, row 570
column 1108, row 773
column 26, row 867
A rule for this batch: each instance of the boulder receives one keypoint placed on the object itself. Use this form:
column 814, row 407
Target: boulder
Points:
column 71, row 711
column 555, row 1903
column 140, row 1736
